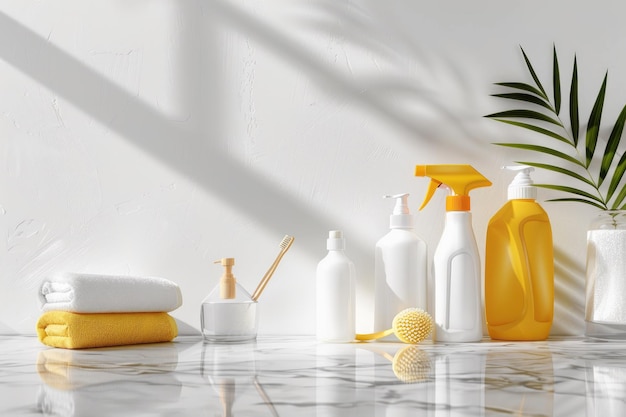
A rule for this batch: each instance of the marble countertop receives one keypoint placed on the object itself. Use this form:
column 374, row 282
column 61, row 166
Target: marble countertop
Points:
column 297, row 376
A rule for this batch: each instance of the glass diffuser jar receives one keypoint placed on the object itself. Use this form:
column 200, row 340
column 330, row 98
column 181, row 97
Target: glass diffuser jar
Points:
column 605, row 286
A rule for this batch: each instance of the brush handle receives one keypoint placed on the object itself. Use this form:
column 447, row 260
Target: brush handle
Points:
column 374, row 336
column 267, row 276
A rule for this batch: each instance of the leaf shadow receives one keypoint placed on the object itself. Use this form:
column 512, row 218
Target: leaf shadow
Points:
column 408, row 100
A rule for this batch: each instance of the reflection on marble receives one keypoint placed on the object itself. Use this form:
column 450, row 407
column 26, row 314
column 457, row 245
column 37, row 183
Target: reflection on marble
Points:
column 79, row 382
column 296, row 376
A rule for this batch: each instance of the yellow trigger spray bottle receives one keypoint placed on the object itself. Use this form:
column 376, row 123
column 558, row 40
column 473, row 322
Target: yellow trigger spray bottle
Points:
column 456, row 265
column 519, row 265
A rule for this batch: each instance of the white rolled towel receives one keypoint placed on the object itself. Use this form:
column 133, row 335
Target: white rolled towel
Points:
column 93, row 293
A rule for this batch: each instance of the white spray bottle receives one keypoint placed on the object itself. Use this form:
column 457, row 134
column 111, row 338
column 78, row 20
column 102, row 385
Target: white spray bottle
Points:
column 456, row 263
column 400, row 268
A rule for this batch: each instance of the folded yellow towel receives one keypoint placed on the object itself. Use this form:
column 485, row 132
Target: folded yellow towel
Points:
column 76, row 331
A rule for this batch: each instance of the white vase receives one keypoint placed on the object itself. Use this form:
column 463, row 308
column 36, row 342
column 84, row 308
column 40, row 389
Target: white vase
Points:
column 605, row 287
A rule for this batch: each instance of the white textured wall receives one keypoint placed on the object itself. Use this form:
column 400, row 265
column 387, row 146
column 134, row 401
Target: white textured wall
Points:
column 152, row 137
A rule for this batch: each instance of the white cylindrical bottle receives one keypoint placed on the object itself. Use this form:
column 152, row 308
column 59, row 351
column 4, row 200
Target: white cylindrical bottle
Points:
column 456, row 271
column 335, row 293
column 400, row 268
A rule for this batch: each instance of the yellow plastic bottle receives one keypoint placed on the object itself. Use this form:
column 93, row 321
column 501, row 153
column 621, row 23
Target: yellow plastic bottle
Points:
column 519, row 266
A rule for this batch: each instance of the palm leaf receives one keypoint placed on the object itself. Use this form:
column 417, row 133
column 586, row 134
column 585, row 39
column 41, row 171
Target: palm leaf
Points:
column 620, row 197
column 528, row 98
column 617, row 177
column 578, row 200
column 572, row 190
column 593, row 126
column 543, row 150
column 573, row 104
column 534, row 75
column 611, row 145
column 522, row 86
column 536, row 129
column 525, row 114
column 608, row 169
column 556, row 83
column 559, row 170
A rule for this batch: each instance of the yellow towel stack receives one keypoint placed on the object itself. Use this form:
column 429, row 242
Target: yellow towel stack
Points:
column 113, row 324
column 69, row 330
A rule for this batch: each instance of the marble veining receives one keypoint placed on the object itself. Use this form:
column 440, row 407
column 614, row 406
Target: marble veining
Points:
column 297, row 376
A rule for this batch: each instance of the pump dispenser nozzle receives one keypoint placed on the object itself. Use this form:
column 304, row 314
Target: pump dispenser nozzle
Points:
column 227, row 281
column 401, row 217
column 521, row 188
column 460, row 179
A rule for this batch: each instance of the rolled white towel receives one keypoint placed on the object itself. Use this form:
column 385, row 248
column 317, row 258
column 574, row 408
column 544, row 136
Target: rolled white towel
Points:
column 93, row 293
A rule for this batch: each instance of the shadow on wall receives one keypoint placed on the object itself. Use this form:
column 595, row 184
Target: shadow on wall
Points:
column 405, row 101
column 412, row 100
column 188, row 151
column 569, row 294
column 188, row 147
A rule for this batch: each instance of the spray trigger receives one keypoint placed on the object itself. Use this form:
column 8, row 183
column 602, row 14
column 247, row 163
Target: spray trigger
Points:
column 432, row 187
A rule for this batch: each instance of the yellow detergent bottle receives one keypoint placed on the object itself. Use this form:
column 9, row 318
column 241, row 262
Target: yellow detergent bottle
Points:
column 519, row 265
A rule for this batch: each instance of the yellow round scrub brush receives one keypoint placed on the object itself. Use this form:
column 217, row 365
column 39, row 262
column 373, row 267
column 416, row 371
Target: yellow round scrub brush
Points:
column 411, row 325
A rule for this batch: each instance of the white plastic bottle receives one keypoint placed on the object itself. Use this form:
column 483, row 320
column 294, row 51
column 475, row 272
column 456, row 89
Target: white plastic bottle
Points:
column 335, row 293
column 456, row 262
column 456, row 267
column 400, row 268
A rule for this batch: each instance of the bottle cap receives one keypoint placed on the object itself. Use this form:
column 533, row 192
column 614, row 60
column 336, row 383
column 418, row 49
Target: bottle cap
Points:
column 335, row 240
column 401, row 217
column 521, row 188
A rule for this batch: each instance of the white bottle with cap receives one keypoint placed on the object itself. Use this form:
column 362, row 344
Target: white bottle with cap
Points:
column 336, row 293
column 400, row 268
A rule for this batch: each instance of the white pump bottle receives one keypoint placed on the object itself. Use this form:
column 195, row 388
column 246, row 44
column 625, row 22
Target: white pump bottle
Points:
column 400, row 268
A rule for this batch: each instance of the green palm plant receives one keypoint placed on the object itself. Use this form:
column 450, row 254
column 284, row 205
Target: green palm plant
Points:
column 580, row 160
